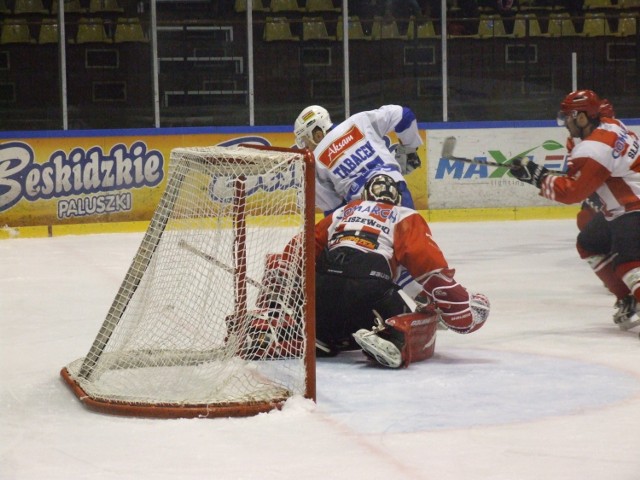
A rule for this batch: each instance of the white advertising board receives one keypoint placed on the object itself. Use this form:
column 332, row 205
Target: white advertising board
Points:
column 454, row 185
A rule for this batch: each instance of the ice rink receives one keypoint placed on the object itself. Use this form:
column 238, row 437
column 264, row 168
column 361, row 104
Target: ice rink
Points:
column 548, row 389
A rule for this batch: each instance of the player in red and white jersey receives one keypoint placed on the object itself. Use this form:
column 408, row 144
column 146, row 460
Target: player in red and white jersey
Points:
column 592, row 206
column 605, row 162
column 350, row 153
column 358, row 248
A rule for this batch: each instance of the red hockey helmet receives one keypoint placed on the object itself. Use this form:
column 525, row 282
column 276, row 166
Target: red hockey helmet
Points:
column 586, row 101
column 606, row 109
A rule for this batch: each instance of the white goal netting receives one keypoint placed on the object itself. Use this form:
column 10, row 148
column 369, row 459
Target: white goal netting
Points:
column 212, row 318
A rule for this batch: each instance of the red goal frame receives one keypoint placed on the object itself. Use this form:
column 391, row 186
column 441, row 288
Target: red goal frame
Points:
column 241, row 409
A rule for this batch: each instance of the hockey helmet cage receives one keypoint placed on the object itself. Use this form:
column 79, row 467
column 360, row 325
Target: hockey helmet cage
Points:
column 309, row 119
column 586, row 101
column 381, row 188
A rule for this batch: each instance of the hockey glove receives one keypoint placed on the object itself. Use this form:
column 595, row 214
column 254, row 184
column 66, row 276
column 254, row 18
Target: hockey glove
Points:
column 407, row 158
column 594, row 203
column 459, row 310
column 480, row 308
column 528, row 172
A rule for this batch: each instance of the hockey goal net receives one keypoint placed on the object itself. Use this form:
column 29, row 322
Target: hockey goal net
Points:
column 209, row 321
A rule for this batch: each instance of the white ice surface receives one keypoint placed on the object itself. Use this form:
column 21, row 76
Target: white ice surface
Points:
column 548, row 389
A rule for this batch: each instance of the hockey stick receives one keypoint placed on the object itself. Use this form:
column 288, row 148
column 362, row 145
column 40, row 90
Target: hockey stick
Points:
column 450, row 142
column 209, row 258
column 447, row 152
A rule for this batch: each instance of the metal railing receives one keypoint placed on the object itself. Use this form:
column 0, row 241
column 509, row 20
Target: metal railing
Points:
column 212, row 72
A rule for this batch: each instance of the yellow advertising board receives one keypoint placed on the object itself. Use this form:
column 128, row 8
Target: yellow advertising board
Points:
column 67, row 179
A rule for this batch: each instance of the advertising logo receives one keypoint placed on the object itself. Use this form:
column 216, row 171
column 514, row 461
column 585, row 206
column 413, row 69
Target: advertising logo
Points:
column 221, row 187
column 451, row 169
column 331, row 154
column 81, row 171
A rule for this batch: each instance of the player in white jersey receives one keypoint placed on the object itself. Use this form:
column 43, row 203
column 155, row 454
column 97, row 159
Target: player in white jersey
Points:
column 350, row 153
column 605, row 162
column 358, row 248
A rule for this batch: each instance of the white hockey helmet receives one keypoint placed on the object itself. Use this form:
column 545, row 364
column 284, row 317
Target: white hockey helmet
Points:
column 309, row 119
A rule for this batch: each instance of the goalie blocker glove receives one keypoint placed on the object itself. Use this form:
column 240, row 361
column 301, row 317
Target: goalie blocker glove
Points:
column 528, row 172
column 460, row 311
column 407, row 158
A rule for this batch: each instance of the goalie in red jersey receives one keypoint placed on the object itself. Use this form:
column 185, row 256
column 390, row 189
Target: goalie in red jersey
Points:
column 358, row 248
column 604, row 166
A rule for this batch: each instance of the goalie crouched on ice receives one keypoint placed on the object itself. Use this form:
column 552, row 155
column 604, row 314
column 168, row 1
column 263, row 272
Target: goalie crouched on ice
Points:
column 358, row 248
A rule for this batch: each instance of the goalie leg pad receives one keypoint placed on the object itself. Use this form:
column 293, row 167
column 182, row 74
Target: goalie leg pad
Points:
column 419, row 331
column 406, row 338
column 268, row 334
column 273, row 281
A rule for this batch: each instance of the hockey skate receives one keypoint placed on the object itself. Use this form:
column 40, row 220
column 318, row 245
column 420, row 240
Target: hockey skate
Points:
column 383, row 351
column 626, row 310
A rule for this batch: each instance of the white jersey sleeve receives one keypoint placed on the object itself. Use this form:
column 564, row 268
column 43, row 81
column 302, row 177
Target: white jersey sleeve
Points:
column 394, row 118
column 326, row 197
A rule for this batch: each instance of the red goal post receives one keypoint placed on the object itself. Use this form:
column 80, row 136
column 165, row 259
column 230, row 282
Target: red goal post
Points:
column 203, row 325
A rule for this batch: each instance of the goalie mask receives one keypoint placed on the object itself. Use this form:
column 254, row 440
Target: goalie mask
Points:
column 311, row 118
column 381, row 188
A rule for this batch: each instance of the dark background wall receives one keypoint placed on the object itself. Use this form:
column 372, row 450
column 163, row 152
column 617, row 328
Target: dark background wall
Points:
column 502, row 74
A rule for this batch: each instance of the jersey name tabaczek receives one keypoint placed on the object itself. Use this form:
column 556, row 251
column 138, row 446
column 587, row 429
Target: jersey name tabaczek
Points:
column 353, row 161
column 350, row 160
column 356, row 149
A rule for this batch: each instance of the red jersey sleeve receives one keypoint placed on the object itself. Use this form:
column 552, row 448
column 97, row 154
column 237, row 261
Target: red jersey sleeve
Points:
column 415, row 249
column 322, row 234
column 587, row 176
